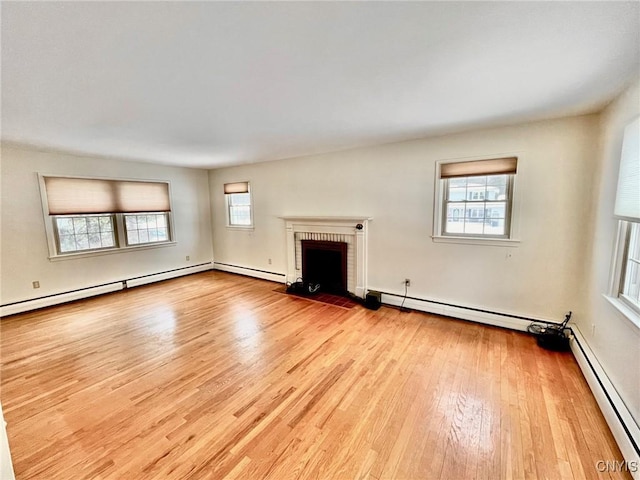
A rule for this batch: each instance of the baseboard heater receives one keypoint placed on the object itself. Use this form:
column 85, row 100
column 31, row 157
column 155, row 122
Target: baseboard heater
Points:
column 474, row 314
column 250, row 272
column 623, row 427
column 69, row 296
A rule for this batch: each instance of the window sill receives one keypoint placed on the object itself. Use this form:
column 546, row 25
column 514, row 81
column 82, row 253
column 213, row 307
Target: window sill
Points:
column 97, row 253
column 495, row 242
column 621, row 307
column 240, row 227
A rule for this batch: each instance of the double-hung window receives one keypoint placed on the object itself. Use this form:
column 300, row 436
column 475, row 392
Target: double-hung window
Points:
column 475, row 198
column 83, row 215
column 626, row 281
column 238, row 200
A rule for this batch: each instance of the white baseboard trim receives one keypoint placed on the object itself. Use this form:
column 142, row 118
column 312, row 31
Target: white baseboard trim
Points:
column 618, row 417
column 250, row 272
column 158, row 277
column 496, row 319
column 55, row 299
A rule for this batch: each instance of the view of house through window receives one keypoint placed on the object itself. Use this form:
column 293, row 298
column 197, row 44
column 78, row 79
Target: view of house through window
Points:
column 476, row 205
column 475, row 198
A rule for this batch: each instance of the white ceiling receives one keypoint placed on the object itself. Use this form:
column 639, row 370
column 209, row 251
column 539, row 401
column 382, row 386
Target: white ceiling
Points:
column 207, row 84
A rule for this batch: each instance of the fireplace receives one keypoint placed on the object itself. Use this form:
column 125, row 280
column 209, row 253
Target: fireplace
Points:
column 351, row 231
column 325, row 263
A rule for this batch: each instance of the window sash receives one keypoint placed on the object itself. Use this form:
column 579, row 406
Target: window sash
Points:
column 629, row 289
column 239, row 206
column 147, row 226
column 474, row 204
column 77, row 235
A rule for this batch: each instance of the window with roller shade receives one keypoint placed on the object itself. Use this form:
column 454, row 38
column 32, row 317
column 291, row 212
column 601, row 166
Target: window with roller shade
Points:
column 475, row 198
column 90, row 214
column 239, row 209
column 627, row 211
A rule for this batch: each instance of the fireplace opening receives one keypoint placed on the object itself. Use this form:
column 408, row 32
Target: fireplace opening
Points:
column 325, row 263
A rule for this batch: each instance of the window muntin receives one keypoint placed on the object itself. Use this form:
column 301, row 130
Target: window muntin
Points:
column 78, row 233
column 630, row 280
column 143, row 228
column 477, row 206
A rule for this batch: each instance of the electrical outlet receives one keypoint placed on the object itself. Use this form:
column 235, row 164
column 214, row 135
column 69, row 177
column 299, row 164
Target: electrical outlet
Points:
column 269, row 261
column 407, row 282
column 593, row 329
column 36, row 284
column 187, row 258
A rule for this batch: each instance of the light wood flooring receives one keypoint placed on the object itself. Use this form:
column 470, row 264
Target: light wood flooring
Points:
column 215, row 375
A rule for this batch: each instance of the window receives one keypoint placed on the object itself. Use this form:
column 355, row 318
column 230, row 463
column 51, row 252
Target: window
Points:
column 146, row 228
column 84, row 232
column 626, row 269
column 475, row 198
column 84, row 215
column 238, row 198
column 630, row 280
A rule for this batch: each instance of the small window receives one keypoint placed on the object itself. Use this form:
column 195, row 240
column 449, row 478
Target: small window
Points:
column 238, row 198
column 78, row 233
column 630, row 280
column 476, row 198
column 141, row 228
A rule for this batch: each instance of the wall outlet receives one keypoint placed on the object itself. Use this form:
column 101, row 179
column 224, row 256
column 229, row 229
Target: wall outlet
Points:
column 593, row 329
column 269, row 261
column 36, row 284
column 407, row 282
column 187, row 258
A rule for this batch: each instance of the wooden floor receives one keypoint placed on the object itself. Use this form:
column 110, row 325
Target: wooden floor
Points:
column 217, row 376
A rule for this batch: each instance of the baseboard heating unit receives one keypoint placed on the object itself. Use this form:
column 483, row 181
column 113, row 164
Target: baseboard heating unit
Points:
column 63, row 297
column 623, row 427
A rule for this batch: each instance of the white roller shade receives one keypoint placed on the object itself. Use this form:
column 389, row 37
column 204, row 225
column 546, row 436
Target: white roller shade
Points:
column 628, row 192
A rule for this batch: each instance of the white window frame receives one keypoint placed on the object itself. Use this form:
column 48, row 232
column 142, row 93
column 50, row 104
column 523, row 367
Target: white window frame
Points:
column 619, row 261
column 513, row 205
column 119, row 226
column 227, row 197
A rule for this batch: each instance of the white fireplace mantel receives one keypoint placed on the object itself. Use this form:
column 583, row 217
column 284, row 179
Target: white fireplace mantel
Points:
column 353, row 227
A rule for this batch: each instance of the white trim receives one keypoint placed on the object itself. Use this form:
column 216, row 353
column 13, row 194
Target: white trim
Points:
column 158, row 277
column 491, row 242
column 250, row 272
column 472, row 313
column 602, row 387
column 109, row 251
column 58, row 298
column 627, row 312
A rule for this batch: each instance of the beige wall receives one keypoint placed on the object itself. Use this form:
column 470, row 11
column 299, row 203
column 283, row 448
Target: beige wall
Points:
column 24, row 253
column 612, row 337
column 394, row 184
